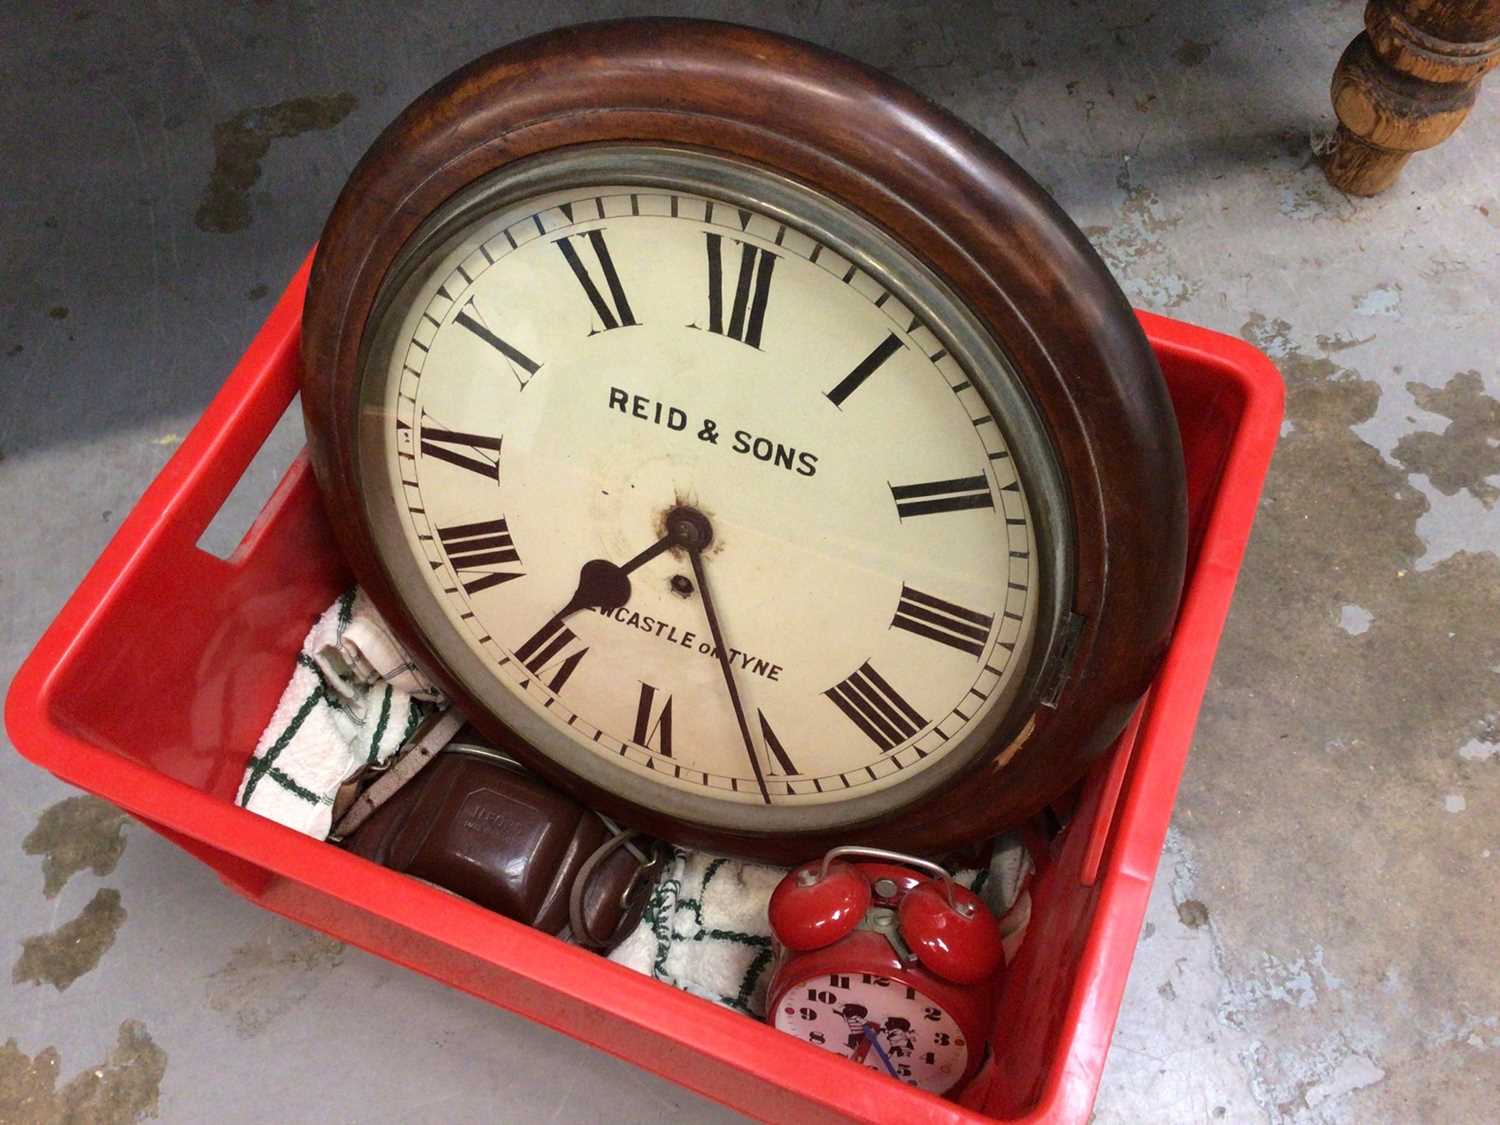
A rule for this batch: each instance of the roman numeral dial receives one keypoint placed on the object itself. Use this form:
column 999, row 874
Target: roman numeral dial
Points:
column 481, row 554
column 955, row 495
column 942, row 621
column 781, row 762
column 751, row 290
column 553, row 649
column 865, row 368
column 475, row 453
column 611, row 305
column 653, row 720
column 522, row 366
column 876, row 708
column 858, row 597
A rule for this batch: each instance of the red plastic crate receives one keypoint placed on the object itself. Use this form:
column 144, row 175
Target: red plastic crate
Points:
column 156, row 612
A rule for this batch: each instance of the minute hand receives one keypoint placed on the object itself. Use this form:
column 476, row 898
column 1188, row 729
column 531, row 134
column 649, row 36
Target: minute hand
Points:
column 695, row 553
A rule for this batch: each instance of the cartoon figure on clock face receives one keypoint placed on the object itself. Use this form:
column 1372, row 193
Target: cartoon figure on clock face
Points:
column 855, row 1015
column 898, row 1037
column 882, row 1024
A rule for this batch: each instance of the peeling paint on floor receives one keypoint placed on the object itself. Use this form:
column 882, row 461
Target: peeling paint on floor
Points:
column 1134, row 252
column 62, row 956
column 124, row 1088
column 1355, row 619
column 75, row 834
column 1383, row 300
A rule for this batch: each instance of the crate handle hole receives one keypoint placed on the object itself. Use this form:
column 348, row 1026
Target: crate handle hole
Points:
column 226, row 532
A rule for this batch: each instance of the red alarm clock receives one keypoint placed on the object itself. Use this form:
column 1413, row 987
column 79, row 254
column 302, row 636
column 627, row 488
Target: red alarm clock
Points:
column 886, row 967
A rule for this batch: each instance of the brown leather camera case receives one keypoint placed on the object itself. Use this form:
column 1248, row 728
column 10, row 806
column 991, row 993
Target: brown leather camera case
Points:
column 506, row 840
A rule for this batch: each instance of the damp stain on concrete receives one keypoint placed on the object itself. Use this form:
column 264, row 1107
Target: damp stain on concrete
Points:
column 62, row 956
column 75, row 834
column 1465, row 455
column 1337, row 342
column 1192, row 913
column 268, row 977
column 124, row 1088
column 1193, row 53
column 241, row 142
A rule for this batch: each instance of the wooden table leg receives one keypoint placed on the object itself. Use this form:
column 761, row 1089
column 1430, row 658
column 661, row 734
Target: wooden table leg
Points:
column 1405, row 84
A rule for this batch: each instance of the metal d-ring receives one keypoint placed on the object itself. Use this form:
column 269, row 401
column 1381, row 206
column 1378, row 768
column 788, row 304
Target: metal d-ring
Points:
column 896, row 857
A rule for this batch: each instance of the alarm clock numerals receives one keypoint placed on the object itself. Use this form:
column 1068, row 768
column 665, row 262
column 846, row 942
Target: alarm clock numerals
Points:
column 882, row 982
column 879, row 1022
column 476, row 550
column 615, row 311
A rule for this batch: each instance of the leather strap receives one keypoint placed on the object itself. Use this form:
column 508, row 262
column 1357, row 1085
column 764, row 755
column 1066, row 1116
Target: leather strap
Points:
column 435, row 733
column 577, row 919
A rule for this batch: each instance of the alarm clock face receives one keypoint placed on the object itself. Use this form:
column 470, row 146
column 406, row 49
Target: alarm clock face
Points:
column 569, row 358
column 880, row 1023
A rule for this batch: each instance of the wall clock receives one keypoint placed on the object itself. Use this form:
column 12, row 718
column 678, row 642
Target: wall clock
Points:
column 743, row 441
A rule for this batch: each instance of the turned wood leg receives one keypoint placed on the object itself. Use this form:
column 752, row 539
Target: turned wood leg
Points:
column 1405, row 83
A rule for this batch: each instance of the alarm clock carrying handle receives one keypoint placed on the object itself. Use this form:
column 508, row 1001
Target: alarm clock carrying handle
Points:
column 934, row 869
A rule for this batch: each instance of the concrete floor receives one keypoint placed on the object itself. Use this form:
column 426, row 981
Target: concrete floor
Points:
column 1320, row 945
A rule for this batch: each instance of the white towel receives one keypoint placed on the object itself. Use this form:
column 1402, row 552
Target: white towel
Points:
column 705, row 930
column 355, row 696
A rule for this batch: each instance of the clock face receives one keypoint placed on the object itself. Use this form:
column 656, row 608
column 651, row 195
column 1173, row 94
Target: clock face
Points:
column 569, row 373
column 880, row 1023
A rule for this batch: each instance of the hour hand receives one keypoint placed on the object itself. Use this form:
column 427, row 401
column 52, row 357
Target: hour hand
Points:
column 605, row 585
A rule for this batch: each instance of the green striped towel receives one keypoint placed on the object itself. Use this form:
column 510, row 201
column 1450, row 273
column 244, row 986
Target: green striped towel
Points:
column 353, row 700
column 705, row 929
